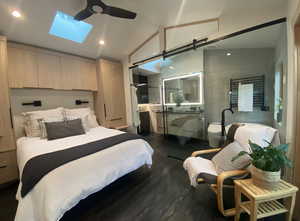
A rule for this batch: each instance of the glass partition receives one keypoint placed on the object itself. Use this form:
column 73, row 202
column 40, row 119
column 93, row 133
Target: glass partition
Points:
column 197, row 95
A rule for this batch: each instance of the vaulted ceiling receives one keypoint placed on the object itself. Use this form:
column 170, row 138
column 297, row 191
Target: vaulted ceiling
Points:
column 121, row 36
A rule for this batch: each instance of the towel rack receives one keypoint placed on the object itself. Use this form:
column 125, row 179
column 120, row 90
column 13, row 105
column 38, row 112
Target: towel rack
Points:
column 258, row 90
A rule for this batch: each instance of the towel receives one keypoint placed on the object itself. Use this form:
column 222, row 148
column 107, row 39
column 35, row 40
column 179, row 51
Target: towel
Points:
column 197, row 165
column 245, row 97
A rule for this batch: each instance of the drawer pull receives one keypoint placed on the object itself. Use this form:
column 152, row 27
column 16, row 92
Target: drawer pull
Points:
column 114, row 119
column 3, row 166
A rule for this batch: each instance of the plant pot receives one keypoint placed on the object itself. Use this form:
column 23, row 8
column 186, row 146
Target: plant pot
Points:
column 265, row 179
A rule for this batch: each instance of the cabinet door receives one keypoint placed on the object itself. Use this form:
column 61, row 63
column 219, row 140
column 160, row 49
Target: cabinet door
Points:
column 6, row 138
column 88, row 75
column 70, row 76
column 113, row 89
column 49, row 73
column 22, row 68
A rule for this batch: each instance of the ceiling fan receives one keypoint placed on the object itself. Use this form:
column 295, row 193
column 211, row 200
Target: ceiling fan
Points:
column 97, row 6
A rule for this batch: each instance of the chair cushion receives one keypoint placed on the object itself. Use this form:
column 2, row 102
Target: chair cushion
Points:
column 223, row 159
column 257, row 133
column 197, row 165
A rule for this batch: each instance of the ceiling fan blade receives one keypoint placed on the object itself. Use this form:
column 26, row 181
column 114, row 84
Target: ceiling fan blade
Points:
column 119, row 12
column 84, row 14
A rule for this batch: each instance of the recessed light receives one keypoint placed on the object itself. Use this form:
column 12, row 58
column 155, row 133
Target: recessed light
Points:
column 101, row 42
column 228, row 54
column 16, row 14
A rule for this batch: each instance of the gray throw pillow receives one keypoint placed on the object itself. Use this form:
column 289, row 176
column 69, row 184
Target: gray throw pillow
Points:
column 56, row 130
column 223, row 159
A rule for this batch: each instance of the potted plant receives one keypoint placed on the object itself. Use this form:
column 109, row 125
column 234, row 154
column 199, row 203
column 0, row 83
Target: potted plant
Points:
column 178, row 98
column 267, row 163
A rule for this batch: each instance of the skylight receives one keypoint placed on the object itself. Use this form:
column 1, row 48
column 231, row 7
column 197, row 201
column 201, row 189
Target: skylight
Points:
column 65, row 26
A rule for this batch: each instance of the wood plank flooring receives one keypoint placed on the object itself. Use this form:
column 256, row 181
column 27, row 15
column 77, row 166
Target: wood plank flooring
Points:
column 160, row 193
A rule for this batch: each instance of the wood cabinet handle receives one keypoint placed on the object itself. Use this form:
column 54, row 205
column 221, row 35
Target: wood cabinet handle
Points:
column 3, row 165
column 104, row 111
column 120, row 118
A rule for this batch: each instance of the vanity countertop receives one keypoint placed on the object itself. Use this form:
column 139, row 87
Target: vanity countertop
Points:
column 180, row 112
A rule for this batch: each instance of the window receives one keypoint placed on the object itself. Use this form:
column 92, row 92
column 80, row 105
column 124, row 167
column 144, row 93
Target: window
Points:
column 278, row 94
column 65, row 26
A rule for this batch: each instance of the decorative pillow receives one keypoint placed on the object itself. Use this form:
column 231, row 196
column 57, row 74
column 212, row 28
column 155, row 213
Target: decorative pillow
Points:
column 84, row 121
column 42, row 126
column 223, row 159
column 32, row 125
column 91, row 121
column 56, row 130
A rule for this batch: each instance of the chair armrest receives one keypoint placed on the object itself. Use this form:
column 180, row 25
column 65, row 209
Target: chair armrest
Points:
column 223, row 176
column 220, row 181
column 201, row 152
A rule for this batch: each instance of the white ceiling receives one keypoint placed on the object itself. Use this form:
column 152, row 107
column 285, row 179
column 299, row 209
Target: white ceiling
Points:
column 121, row 36
column 267, row 37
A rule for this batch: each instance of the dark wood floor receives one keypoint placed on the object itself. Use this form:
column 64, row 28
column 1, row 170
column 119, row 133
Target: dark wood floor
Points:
column 162, row 193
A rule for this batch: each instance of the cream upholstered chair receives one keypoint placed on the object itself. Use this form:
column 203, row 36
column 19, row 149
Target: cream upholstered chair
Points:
column 220, row 184
column 217, row 179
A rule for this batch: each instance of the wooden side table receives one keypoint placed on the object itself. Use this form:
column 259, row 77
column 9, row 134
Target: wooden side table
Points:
column 262, row 202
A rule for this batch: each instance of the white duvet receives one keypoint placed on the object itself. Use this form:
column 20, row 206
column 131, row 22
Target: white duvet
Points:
column 64, row 187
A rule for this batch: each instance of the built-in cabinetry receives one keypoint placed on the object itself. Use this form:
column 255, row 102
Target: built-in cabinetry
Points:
column 110, row 99
column 30, row 67
column 8, row 165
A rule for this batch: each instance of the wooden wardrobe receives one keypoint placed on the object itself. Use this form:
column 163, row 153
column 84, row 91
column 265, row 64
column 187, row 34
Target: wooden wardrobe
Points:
column 8, row 164
column 110, row 99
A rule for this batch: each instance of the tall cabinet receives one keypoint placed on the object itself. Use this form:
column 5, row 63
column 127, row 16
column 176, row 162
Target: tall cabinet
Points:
column 8, row 165
column 110, row 98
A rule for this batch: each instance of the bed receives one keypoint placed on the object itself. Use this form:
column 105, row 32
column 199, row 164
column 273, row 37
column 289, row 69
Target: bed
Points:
column 62, row 188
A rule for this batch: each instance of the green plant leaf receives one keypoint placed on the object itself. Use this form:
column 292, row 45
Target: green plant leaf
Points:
column 254, row 146
column 282, row 147
column 242, row 153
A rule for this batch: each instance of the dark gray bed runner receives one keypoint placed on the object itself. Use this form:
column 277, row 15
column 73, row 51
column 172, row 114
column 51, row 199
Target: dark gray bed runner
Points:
column 37, row 167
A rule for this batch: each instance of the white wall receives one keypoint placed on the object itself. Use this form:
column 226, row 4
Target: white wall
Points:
column 127, row 82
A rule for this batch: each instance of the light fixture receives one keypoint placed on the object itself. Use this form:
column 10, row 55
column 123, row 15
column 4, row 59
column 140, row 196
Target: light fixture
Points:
column 228, row 54
column 101, row 42
column 171, row 67
column 16, row 14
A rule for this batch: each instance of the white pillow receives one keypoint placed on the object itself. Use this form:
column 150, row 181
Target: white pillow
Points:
column 93, row 120
column 84, row 121
column 85, row 114
column 223, row 159
column 32, row 125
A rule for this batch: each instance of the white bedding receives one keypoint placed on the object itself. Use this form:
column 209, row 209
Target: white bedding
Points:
column 64, row 187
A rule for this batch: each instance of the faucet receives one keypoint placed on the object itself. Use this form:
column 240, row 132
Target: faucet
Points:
column 223, row 119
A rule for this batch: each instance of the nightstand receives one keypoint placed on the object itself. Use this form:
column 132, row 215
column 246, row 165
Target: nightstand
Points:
column 263, row 202
column 8, row 166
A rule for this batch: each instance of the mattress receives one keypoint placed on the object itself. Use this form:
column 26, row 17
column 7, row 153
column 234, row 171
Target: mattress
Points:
column 64, row 187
